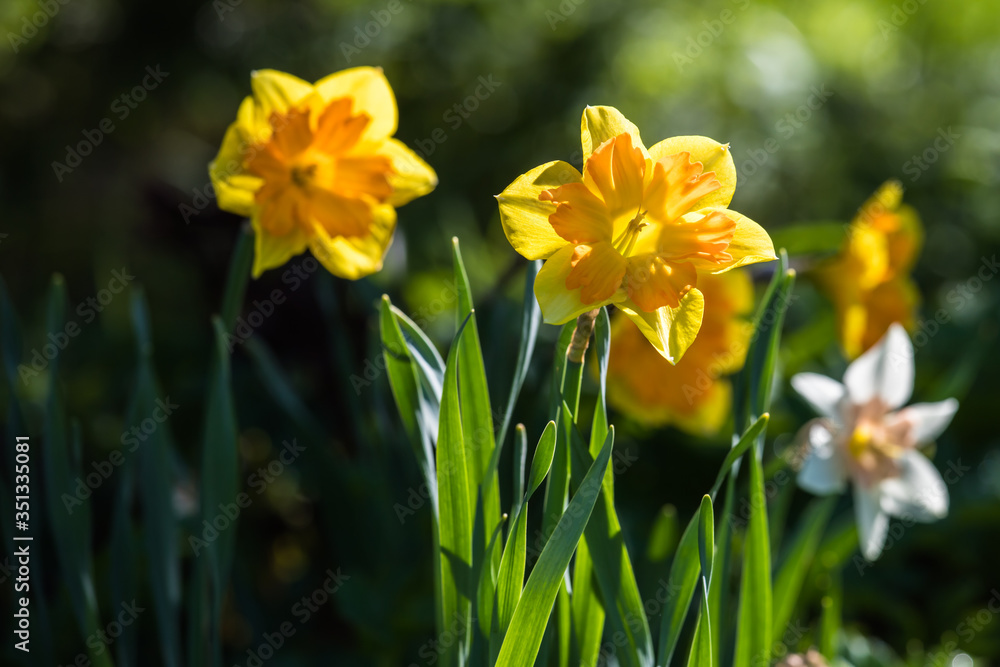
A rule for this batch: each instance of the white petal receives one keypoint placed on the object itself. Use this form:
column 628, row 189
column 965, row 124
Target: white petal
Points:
column 873, row 523
column 929, row 419
column 822, row 393
column 886, row 370
column 823, row 472
column 918, row 494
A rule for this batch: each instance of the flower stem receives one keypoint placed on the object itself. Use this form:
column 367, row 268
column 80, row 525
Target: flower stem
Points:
column 574, row 359
column 238, row 277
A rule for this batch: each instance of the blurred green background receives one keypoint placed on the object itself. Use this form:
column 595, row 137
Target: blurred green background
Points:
column 852, row 93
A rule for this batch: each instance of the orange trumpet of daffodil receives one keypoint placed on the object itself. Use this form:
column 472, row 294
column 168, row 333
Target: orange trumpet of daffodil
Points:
column 694, row 395
column 634, row 229
column 869, row 281
column 316, row 166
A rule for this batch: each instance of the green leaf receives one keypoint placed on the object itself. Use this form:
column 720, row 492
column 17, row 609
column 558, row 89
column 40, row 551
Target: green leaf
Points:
column 541, row 462
column 220, row 466
column 156, row 493
column 456, row 518
column 798, row 559
column 587, row 610
column 701, row 651
column 510, row 580
column 831, row 617
column 520, row 460
column 69, row 518
column 531, row 320
column 719, row 588
column 124, row 553
column 524, row 637
column 237, row 278
column 681, row 583
column 738, row 450
column 753, row 635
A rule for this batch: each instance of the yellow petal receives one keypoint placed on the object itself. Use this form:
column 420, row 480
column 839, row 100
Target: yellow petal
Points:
column 906, row 242
column 670, row 330
column 559, row 304
column 273, row 251
column 525, row 217
column 598, row 270
column 615, row 171
column 356, row 257
column 370, row 93
column 713, row 157
column 234, row 189
column 602, row 123
column 412, row 177
column 750, row 244
column 277, row 92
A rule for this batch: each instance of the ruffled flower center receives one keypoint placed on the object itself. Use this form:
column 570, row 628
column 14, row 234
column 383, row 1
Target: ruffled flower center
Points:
column 631, row 223
column 317, row 173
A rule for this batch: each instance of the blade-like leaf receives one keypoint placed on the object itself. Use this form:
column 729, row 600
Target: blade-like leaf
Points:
column 748, row 438
column 524, row 637
column 681, row 582
column 753, row 635
column 701, row 650
column 542, row 460
column 456, row 518
column 531, row 320
column 798, row 559
column 156, row 494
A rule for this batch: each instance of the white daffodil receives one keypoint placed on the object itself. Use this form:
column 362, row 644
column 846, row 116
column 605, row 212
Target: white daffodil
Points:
column 864, row 436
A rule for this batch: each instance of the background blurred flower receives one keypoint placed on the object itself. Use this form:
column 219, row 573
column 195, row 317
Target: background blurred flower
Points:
column 634, row 229
column 864, row 436
column 315, row 166
column 693, row 395
column 869, row 280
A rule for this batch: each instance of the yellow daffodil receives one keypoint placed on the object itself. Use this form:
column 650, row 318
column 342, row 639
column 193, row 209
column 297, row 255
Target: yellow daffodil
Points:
column 693, row 395
column 869, row 281
column 634, row 229
column 316, row 166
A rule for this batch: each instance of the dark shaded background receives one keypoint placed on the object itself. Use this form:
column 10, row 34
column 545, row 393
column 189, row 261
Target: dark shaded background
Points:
column 895, row 77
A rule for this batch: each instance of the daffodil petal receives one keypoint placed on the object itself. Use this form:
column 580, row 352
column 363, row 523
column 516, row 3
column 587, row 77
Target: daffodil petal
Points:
column 822, row 393
column 525, row 217
column 670, row 330
column 713, row 157
column 750, row 244
column 559, row 304
column 917, row 493
column 277, row 92
column 823, row 472
column 873, row 523
column 601, row 123
column 929, row 420
column 411, row 177
column 885, row 371
column 370, row 94
column 356, row 257
column 273, row 251
column 234, row 189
